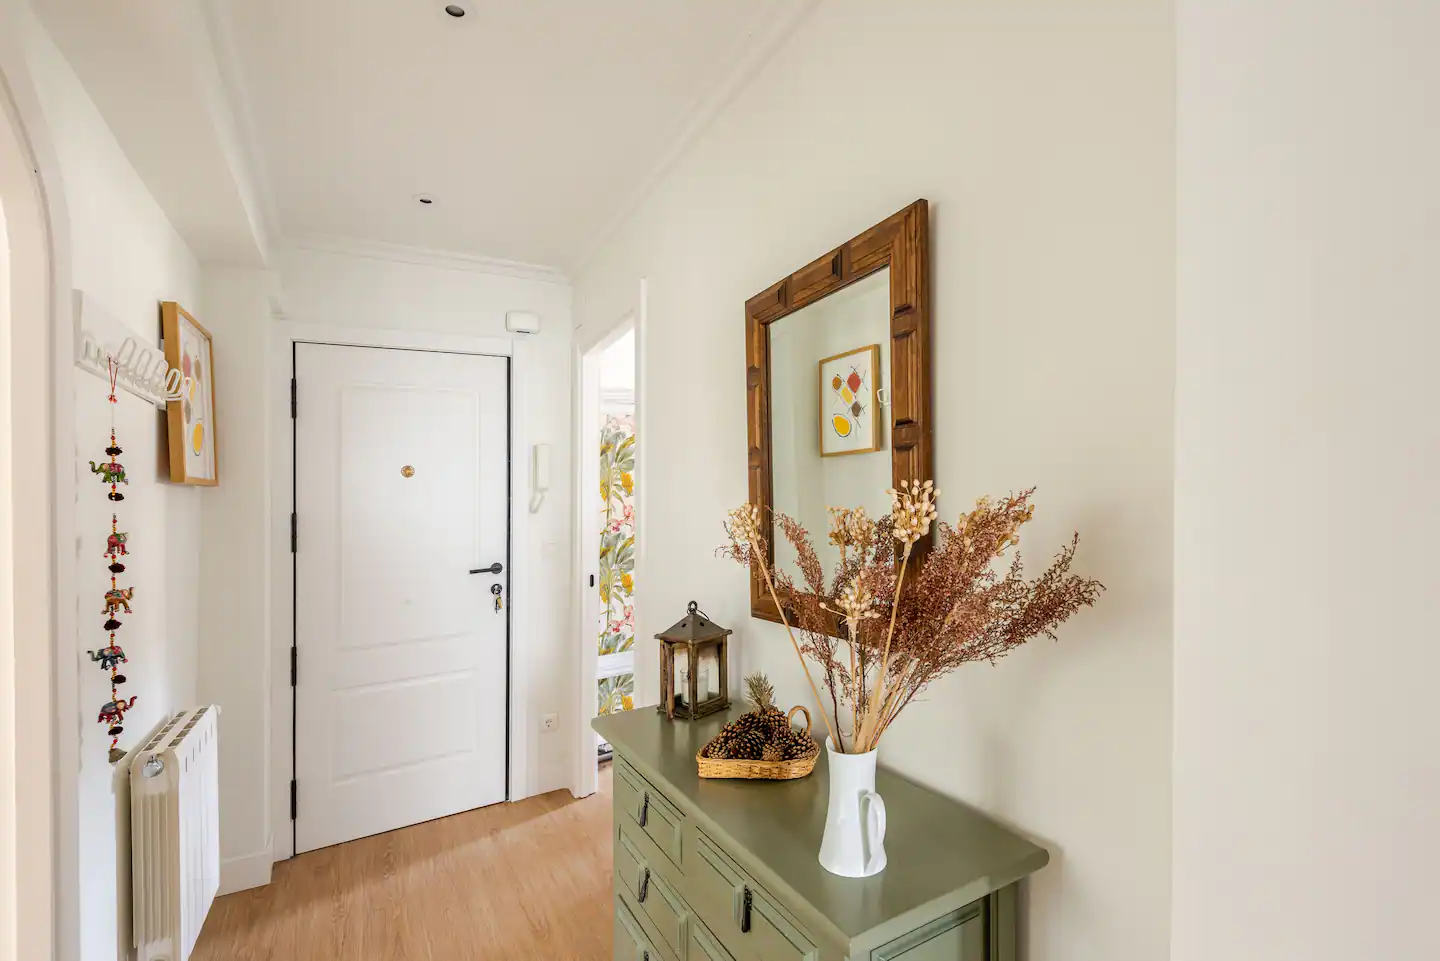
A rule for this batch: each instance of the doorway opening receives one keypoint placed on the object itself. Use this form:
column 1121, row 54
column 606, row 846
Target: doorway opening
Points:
column 607, row 513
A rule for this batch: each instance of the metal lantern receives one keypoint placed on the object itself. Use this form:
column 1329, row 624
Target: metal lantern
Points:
column 692, row 667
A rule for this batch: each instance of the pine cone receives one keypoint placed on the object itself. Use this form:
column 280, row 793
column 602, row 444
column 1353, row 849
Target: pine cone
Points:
column 774, row 722
column 749, row 746
column 719, row 746
column 774, row 751
column 798, row 744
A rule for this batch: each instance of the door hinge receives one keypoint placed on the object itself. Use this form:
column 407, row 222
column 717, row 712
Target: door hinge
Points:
column 294, row 531
column 294, row 800
column 294, row 398
column 294, row 664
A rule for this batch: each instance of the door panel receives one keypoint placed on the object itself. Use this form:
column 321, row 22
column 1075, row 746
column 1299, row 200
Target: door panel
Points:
column 401, row 487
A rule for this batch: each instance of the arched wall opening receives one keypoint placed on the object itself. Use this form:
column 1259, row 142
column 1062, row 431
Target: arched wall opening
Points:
column 38, row 817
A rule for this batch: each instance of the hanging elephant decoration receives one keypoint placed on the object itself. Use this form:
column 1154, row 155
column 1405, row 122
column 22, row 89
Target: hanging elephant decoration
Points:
column 117, row 599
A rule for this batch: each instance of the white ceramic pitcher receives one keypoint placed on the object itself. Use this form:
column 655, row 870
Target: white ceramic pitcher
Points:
column 854, row 842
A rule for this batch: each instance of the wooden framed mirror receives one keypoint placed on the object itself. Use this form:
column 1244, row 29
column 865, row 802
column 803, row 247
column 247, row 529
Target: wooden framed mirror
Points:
column 838, row 390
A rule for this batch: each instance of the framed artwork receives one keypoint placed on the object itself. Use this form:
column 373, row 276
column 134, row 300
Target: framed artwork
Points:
column 190, row 420
column 849, row 421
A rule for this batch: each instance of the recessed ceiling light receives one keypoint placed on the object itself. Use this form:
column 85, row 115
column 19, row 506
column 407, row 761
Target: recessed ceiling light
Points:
column 455, row 10
column 425, row 199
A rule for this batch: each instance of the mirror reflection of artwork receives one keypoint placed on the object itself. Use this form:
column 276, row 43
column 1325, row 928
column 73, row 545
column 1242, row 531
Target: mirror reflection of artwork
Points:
column 804, row 403
column 848, row 424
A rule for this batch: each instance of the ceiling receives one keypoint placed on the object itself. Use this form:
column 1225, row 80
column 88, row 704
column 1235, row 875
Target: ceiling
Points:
column 149, row 67
column 534, row 125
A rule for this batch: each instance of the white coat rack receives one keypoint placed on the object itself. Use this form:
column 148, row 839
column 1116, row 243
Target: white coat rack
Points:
column 99, row 337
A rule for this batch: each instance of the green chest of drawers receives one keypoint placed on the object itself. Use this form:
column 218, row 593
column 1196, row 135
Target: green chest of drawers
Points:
column 727, row 871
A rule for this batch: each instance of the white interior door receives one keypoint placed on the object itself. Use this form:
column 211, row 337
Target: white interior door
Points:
column 401, row 494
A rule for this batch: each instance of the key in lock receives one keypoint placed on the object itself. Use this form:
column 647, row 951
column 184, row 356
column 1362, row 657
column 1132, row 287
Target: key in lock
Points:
column 499, row 598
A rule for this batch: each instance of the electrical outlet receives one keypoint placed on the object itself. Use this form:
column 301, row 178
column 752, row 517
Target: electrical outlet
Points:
column 549, row 722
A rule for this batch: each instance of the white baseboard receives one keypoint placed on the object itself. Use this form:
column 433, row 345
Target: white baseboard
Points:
column 245, row 872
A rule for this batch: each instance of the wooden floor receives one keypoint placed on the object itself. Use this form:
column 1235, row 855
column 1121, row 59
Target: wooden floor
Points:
column 529, row 880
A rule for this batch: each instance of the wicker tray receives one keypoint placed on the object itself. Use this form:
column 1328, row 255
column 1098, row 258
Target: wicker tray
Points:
column 716, row 767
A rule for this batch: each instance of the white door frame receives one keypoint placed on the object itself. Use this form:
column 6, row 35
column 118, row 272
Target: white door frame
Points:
column 587, row 540
column 39, row 771
column 282, row 494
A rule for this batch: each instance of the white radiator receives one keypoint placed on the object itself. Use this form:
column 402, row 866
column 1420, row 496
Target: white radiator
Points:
column 175, row 834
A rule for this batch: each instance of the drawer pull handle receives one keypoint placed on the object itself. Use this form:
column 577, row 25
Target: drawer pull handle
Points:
column 745, row 913
column 647, row 955
column 645, row 810
column 644, row 887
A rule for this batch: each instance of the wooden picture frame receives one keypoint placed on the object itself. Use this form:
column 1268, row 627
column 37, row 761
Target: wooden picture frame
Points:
column 873, row 352
column 190, row 421
column 900, row 242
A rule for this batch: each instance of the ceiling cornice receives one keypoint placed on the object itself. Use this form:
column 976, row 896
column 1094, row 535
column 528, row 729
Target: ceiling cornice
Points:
column 424, row 257
column 750, row 56
column 218, row 22
column 153, row 72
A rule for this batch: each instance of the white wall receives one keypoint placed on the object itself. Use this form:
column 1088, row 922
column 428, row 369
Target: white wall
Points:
column 447, row 303
column 235, row 568
column 128, row 258
column 9, row 865
column 1042, row 136
column 1306, row 724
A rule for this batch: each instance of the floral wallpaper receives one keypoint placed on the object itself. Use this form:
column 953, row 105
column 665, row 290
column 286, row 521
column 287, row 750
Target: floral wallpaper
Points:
column 616, row 694
column 617, row 556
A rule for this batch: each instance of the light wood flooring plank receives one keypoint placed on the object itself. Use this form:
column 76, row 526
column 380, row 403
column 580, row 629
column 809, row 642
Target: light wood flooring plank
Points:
column 511, row 881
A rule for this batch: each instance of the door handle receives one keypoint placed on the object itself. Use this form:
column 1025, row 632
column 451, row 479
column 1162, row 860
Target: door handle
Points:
column 495, row 568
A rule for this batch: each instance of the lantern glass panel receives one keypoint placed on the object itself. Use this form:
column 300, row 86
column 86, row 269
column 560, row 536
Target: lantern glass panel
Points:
column 707, row 670
column 681, row 676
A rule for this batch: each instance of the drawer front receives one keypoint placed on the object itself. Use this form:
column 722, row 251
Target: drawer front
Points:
column 648, row 810
column 704, row 946
column 643, row 883
column 959, row 936
column 771, row 934
column 745, row 919
column 629, row 865
column 630, row 942
column 712, row 888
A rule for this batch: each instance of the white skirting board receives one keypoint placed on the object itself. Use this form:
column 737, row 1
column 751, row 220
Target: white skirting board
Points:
column 246, row 871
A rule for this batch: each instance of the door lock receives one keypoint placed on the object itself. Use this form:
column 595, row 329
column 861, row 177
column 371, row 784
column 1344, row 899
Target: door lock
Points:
column 499, row 600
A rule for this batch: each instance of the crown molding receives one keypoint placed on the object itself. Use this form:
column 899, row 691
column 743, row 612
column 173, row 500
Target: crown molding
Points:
column 424, row 257
column 245, row 140
column 749, row 57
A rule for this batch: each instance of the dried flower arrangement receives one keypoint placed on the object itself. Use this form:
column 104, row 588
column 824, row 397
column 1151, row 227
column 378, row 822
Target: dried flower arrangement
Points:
column 905, row 628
